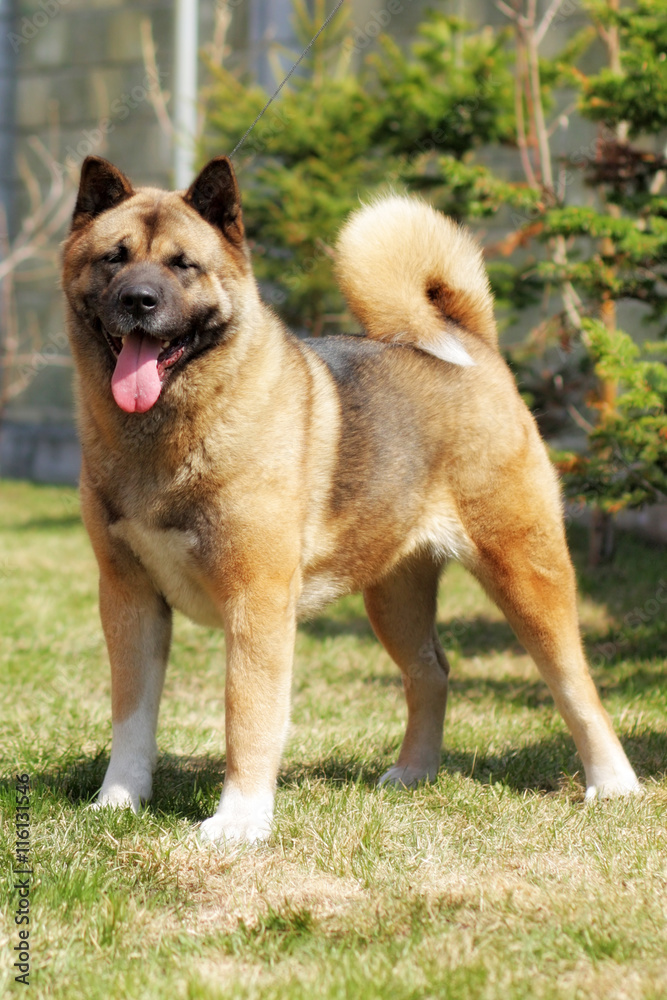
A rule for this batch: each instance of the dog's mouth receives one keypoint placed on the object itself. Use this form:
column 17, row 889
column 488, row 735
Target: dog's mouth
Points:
column 171, row 351
column 142, row 362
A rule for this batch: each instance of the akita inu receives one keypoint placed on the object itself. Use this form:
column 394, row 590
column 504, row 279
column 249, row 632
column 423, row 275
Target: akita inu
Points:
column 247, row 477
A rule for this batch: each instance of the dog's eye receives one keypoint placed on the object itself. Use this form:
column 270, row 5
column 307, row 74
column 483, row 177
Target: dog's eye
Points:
column 183, row 264
column 119, row 255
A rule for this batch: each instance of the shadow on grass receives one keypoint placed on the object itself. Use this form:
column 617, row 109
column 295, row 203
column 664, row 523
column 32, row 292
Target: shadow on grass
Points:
column 632, row 579
column 188, row 787
column 539, row 766
column 625, row 682
column 183, row 786
column 325, row 627
column 471, row 636
column 520, row 693
column 640, row 680
column 647, row 641
column 627, row 589
column 479, row 636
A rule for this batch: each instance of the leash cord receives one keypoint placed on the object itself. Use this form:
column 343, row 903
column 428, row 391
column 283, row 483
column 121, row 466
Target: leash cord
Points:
column 296, row 64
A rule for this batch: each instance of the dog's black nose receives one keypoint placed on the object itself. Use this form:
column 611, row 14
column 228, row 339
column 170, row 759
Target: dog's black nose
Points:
column 139, row 299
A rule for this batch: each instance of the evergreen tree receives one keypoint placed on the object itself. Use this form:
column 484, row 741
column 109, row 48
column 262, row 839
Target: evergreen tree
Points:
column 617, row 251
column 336, row 135
column 429, row 120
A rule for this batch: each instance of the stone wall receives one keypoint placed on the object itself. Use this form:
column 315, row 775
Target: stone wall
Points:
column 79, row 85
column 40, row 452
column 76, row 82
column 82, row 84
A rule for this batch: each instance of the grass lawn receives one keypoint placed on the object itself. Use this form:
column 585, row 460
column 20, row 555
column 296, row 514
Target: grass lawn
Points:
column 494, row 882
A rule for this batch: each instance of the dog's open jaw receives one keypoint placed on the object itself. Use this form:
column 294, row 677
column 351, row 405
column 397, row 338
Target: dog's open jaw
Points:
column 140, row 368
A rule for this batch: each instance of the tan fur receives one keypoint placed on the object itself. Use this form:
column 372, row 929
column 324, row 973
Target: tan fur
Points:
column 272, row 475
column 395, row 247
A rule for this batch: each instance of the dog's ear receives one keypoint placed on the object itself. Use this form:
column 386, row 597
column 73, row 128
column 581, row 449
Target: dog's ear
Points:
column 101, row 186
column 215, row 195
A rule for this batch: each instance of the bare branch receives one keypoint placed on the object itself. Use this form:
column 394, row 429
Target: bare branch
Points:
column 521, row 139
column 579, row 420
column 538, row 113
column 325, row 249
column 156, row 95
column 557, row 122
column 545, row 23
column 659, row 180
column 571, row 300
column 506, row 10
column 217, row 49
column 29, row 181
column 36, row 241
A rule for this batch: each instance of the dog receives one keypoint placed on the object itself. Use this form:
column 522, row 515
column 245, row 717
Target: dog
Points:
column 248, row 478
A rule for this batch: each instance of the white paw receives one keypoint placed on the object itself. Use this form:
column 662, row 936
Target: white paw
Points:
column 614, row 787
column 240, row 819
column 400, row 776
column 118, row 797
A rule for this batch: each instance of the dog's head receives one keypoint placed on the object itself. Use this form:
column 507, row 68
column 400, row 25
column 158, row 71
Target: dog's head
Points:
column 153, row 277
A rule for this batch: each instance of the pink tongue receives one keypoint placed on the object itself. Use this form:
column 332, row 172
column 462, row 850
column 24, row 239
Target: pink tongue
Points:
column 135, row 383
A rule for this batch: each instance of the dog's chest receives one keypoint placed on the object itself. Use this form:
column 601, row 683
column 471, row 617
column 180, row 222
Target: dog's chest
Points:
column 170, row 557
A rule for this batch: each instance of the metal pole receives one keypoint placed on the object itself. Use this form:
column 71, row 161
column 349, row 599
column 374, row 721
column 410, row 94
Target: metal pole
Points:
column 7, row 109
column 186, row 18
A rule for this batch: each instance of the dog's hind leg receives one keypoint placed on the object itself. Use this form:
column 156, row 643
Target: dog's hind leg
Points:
column 525, row 567
column 401, row 609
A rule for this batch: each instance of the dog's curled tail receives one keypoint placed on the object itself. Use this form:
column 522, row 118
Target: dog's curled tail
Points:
column 413, row 276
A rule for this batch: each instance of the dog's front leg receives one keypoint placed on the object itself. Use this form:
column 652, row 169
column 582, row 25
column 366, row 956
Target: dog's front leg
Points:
column 260, row 631
column 137, row 627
